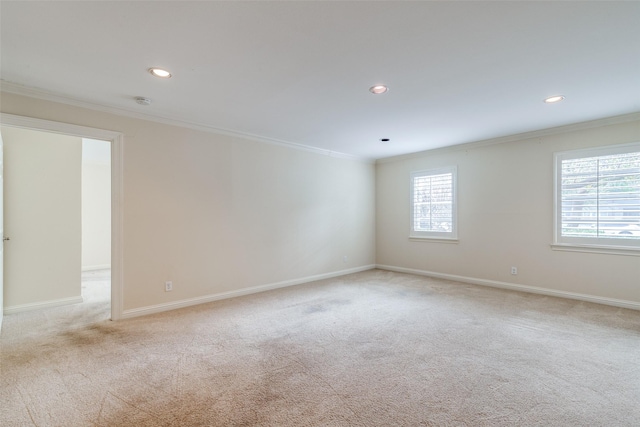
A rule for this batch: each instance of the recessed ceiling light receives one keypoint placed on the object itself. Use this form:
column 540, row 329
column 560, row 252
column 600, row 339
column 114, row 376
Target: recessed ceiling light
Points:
column 159, row 72
column 552, row 99
column 378, row 89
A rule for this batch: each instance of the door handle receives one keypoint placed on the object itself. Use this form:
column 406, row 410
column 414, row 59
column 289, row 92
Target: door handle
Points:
column 5, row 239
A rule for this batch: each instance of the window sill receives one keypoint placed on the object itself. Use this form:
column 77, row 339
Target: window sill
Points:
column 433, row 239
column 597, row 249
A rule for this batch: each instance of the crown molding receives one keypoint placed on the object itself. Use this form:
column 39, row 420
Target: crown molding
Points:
column 625, row 118
column 46, row 95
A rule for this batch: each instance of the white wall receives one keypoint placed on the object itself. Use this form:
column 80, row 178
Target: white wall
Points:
column 42, row 218
column 216, row 214
column 96, row 204
column 505, row 199
column 1, row 228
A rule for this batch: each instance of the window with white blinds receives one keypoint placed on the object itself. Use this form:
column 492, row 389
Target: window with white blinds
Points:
column 433, row 204
column 598, row 196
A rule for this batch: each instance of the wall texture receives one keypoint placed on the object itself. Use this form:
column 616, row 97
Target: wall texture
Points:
column 505, row 217
column 216, row 213
column 96, row 205
column 42, row 218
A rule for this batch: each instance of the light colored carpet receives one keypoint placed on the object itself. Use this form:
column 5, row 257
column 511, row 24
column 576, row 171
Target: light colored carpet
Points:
column 369, row 349
column 96, row 293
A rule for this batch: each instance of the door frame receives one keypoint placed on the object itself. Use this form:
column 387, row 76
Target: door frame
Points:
column 117, row 141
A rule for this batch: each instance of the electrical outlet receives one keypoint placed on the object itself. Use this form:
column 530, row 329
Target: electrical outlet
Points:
column 514, row 270
column 344, row 258
column 168, row 286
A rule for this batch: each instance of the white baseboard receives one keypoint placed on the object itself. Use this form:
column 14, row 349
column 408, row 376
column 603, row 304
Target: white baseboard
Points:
column 143, row 311
column 96, row 267
column 515, row 287
column 45, row 304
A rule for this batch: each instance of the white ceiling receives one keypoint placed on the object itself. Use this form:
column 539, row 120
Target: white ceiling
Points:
column 299, row 71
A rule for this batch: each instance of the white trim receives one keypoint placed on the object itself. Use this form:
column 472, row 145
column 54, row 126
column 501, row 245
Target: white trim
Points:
column 168, row 120
column 515, row 287
column 435, row 235
column 117, row 169
column 596, row 249
column 606, row 121
column 605, row 245
column 40, row 305
column 158, row 308
column 96, row 267
column 56, row 127
column 433, row 239
column 117, row 226
column 30, row 92
column 601, row 150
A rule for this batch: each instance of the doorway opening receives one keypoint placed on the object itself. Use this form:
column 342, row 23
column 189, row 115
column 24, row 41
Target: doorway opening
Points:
column 96, row 224
column 57, row 190
column 101, row 274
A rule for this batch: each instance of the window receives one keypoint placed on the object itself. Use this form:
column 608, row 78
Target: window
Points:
column 433, row 204
column 598, row 197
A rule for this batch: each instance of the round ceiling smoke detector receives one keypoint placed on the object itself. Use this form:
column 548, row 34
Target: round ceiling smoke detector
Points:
column 142, row 100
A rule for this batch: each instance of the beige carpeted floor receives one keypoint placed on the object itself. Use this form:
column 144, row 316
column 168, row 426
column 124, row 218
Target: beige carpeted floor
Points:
column 96, row 293
column 370, row 349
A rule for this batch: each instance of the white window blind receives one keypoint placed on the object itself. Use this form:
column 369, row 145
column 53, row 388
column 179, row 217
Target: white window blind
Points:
column 433, row 203
column 598, row 196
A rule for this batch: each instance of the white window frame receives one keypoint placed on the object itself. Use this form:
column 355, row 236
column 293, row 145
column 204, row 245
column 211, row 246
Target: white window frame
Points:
column 445, row 236
column 620, row 246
